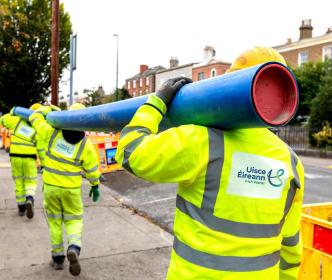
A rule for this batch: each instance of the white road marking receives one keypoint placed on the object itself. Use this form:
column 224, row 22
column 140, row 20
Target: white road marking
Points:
column 315, row 176
column 159, row 200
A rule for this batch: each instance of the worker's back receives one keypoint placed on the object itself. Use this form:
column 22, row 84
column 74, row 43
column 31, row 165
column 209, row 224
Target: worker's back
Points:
column 231, row 221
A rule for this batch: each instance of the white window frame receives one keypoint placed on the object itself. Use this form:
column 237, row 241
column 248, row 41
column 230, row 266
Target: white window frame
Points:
column 201, row 74
column 300, row 57
column 134, row 83
column 140, row 82
column 140, row 92
column 213, row 72
column 128, row 85
column 147, row 81
column 327, row 52
column 134, row 93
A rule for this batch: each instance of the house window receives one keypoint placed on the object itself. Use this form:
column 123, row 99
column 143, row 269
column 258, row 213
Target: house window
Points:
column 140, row 92
column 134, row 93
column 134, row 83
column 128, row 85
column 213, row 72
column 327, row 52
column 140, row 82
column 201, row 76
column 303, row 57
column 147, row 81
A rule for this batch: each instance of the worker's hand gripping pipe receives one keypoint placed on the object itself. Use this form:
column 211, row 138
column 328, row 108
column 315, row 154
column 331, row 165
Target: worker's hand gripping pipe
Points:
column 265, row 95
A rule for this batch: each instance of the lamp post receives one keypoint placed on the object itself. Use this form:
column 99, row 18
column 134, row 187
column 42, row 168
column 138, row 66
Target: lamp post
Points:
column 117, row 66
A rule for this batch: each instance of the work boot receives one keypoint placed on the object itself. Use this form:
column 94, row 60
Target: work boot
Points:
column 21, row 210
column 57, row 262
column 73, row 253
column 29, row 205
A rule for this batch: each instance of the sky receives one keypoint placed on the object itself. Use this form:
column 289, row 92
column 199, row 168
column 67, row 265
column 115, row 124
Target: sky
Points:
column 152, row 31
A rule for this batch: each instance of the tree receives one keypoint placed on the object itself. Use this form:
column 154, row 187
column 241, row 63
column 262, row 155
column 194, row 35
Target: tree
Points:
column 309, row 78
column 321, row 109
column 94, row 97
column 25, row 51
column 123, row 94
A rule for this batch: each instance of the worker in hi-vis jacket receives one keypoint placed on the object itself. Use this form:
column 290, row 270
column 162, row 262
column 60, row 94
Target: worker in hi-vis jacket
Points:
column 225, row 226
column 68, row 154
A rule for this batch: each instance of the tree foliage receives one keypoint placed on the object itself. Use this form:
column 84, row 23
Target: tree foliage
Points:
column 309, row 78
column 25, row 51
column 321, row 108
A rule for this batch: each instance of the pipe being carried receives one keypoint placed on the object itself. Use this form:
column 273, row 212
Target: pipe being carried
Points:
column 264, row 95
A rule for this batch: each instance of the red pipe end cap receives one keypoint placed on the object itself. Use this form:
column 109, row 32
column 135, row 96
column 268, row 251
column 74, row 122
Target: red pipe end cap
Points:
column 275, row 94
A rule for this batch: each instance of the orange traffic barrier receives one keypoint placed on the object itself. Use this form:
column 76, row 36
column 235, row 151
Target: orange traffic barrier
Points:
column 105, row 145
column 316, row 227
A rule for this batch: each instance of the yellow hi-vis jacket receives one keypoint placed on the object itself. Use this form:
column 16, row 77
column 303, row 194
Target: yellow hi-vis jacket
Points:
column 239, row 199
column 64, row 162
column 23, row 136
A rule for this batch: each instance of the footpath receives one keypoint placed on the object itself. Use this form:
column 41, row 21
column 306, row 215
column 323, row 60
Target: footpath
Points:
column 117, row 244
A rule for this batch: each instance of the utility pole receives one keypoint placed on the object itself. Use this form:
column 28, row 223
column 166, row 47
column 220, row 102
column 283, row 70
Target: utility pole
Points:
column 117, row 66
column 55, row 52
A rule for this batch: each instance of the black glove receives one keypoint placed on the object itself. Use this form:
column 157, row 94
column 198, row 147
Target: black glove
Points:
column 94, row 192
column 168, row 89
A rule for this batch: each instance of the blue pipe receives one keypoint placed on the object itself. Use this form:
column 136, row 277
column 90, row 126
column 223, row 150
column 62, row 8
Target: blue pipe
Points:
column 253, row 97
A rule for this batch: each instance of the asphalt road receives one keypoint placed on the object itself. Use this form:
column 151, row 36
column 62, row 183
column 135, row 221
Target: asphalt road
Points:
column 157, row 201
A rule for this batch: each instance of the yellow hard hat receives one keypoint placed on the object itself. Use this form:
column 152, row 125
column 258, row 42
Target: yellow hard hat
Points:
column 77, row 106
column 255, row 56
column 35, row 106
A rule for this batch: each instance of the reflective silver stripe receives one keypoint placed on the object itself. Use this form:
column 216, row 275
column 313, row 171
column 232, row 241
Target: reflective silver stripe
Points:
column 291, row 240
column 33, row 120
column 40, row 150
column 64, row 173
column 55, row 254
column 62, row 160
column 225, row 263
column 72, row 217
column 16, row 127
column 227, row 226
column 20, row 196
column 30, row 178
column 57, row 246
column 92, row 169
column 18, row 177
column 74, row 236
column 214, row 169
column 128, row 151
column 23, row 144
column 54, row 216
column 286, row 265
column 54, row 134
column 294, row 164
column 33, row 137
column 20, row 203
column 92, row 180
column 140, row 129
column 80, row 149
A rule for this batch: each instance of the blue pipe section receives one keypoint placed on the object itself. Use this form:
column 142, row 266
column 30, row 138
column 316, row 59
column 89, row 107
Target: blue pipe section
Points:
column 224, row 101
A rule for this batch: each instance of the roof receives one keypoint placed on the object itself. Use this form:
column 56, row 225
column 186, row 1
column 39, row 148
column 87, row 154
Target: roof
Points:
column 323, row 39
column 177, row 67
column 149, row 72
column 213, row 60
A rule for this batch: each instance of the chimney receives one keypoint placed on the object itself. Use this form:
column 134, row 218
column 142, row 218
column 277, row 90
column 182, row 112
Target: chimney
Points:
column 208, row 52
column 306, row 29
column 329, row 30
column 143, row 68
column 174, row 62
column 289, row 40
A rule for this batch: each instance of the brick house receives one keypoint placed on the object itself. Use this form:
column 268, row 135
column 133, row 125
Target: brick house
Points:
column 175, row 70
column 144, row 82
column 307, row 48
column 210, row 66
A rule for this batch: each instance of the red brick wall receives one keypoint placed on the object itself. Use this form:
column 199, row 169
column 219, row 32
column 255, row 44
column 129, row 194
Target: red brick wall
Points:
column 141, row 90
column 315, row 54
column 206, row 69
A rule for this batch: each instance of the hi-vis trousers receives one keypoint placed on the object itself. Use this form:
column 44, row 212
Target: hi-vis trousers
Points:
column 24, row 171
column 63, row 205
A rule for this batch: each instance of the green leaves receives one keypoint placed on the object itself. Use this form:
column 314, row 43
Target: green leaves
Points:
column 25, row 51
